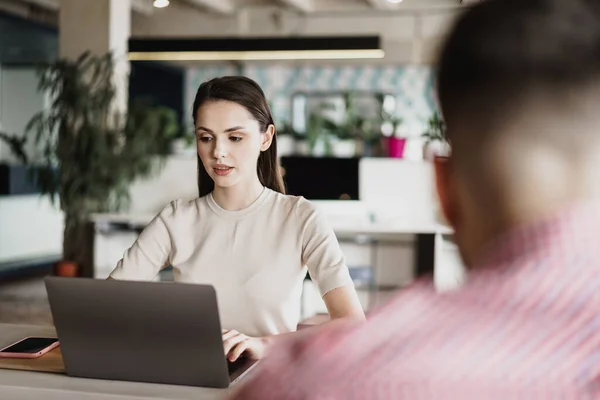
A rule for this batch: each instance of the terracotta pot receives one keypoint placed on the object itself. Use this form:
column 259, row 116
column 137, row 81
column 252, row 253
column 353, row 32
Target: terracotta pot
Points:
column 66, row 268
column 440, row 165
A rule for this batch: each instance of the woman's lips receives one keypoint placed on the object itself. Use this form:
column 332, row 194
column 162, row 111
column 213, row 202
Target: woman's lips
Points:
column 222, row 171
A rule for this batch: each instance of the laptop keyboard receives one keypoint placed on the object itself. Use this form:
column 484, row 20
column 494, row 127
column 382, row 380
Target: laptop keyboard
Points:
column 236, row 365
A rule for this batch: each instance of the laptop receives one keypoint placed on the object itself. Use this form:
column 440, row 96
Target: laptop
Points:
column 141, row 331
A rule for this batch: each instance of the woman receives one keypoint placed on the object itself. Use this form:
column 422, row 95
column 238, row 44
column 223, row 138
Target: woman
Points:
column 243, row 235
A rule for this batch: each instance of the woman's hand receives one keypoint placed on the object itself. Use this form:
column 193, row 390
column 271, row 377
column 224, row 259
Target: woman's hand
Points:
column 236, row 344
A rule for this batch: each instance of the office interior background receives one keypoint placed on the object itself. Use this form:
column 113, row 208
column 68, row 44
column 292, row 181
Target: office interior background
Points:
column 351, row 86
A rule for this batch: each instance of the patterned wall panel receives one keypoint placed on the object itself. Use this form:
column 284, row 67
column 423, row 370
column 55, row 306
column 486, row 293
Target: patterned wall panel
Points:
column 194, row 77
column 411, row 85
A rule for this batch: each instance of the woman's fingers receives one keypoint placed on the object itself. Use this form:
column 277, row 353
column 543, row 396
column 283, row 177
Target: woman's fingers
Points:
column 231, row 342
column 237, row 351
column 227, row 334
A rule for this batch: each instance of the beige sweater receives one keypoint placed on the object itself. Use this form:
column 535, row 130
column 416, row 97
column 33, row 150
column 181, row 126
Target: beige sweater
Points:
column 256, row 258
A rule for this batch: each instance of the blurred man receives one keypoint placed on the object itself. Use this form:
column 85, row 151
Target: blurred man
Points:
column 519, row 86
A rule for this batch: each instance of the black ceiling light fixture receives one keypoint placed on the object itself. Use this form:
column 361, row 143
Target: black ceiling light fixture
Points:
column 248, row 49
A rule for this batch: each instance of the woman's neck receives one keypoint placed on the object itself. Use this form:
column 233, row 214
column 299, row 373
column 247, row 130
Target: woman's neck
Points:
column 239, row 196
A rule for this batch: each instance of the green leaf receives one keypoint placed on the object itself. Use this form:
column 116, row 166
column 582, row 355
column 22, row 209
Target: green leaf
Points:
column 91, row 155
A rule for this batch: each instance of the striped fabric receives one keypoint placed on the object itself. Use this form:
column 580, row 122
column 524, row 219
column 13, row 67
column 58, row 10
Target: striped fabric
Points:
column 526, row 326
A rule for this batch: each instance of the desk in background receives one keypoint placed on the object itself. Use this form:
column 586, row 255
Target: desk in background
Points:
column 429, row 241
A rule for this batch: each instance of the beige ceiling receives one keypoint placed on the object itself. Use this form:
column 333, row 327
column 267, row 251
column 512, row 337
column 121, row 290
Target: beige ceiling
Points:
column 410, row 32
column 316, row 6
column 144, row 7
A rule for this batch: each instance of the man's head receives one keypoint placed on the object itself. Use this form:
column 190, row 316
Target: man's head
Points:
column 519, row 87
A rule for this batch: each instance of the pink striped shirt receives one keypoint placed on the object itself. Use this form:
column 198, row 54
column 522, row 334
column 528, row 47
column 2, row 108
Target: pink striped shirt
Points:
column 526, row 326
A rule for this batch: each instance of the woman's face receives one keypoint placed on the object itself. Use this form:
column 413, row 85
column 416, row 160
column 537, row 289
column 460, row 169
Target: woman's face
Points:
column 229, row 141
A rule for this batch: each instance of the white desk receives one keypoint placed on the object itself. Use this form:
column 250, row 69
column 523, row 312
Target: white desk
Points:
column 355, row 227
column 26, row 385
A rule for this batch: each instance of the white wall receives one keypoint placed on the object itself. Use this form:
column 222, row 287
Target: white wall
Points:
column 177, row 179
column 29, row 225
column 398, row 189
column 19, row 101
column 1, row 143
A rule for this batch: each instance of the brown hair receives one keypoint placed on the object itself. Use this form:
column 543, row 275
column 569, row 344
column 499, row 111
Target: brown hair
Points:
column 502, row 52
column 247, row 93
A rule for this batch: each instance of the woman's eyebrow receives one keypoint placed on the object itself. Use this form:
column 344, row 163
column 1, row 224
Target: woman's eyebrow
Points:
column 235, row 128
column 228, row 130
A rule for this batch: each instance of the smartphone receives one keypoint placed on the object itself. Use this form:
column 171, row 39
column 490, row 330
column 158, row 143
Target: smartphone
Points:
column 29, row 347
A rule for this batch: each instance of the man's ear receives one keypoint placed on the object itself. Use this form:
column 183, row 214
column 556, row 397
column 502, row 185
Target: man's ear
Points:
column 268, row 138
column 444, row 182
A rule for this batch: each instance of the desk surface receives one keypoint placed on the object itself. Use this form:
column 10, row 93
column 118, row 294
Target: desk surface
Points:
column 54, row 386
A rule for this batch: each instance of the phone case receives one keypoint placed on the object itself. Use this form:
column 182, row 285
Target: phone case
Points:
column 27, row 355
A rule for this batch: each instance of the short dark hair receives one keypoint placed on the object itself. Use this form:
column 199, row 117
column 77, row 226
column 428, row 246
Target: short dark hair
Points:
column 501, row 52
column 247, row 93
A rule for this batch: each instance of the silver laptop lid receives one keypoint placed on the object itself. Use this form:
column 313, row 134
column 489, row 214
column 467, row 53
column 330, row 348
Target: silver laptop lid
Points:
column 139, row 331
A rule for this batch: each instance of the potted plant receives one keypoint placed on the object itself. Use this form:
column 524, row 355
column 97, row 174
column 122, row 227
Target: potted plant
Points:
column 348, row 133
column 396, row 143
column 388, row 124
column 321, row 130
column 436, row 143
column 349, row 130
column 184, row 143
column 340, row 138
column 369, row 140
column 301, row 144
column 317, row 139
column 344, row 144
column 90, row 151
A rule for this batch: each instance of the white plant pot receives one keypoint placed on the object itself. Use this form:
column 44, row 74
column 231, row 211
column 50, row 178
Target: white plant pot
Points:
column 344, row 148
column 320, row 149
column 286, row 145
column 434, row 149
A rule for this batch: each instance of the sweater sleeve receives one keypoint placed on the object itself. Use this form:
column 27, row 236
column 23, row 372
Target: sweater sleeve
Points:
column 321, row 252
column 151, row 252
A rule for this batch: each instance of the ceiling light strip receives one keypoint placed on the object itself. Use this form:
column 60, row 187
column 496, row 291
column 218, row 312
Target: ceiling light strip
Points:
column 256, row 55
